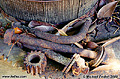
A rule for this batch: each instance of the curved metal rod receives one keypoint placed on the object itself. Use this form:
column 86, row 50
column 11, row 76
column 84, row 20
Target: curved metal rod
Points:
column 64, row 39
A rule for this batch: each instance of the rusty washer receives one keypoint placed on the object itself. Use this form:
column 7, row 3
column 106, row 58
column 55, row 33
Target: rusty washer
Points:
column 35, row 62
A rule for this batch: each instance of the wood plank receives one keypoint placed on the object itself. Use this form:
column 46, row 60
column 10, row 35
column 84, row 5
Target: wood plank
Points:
column 53, row 12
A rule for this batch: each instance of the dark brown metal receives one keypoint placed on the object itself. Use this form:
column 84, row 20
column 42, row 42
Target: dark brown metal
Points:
column 56, row 57
column 69, row 65
column 79, row 66
column 76, row 61
column 25, row 39
column 35, row 62
column 65, row 39
column 100, row 56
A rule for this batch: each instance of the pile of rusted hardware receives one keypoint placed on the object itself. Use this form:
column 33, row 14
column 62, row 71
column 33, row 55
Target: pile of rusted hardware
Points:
column 69, row 45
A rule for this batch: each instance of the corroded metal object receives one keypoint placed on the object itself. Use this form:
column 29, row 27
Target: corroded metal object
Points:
column 56, row 57
column 35, row 62
column 78, row 65
column 24, row 39
column 8, row 41
column 100, row 56
column 65, row 39
column 51, row 54
column 76, row 62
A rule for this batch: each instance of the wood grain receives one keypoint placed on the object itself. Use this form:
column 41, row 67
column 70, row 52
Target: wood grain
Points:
column 52, row 12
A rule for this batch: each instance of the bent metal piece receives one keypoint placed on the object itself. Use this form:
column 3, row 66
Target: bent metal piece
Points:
column 99, row 58
column 25, row 39
column 65, row 39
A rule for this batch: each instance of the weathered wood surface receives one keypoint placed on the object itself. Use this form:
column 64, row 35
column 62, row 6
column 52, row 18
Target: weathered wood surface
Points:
column 53, row 12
